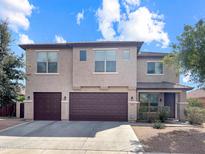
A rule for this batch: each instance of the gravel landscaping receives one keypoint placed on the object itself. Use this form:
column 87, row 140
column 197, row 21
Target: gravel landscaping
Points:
column 183, row 139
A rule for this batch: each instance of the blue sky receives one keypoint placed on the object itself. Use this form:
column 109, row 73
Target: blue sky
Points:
column 50, row 21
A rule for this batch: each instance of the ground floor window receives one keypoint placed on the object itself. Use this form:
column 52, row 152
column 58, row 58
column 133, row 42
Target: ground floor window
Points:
column 149, row 102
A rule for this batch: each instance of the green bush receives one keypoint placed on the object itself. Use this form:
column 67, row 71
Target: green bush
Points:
column 195, row 115
column 163, row 113
column 193, row 102
column 158, row 125
column 20, row 98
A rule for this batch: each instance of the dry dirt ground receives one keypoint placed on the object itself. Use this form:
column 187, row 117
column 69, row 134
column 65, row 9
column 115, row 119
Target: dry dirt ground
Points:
column 189, row 139
column 7, row 122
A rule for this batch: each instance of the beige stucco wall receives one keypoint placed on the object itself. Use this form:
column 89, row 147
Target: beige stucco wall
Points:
column 181, row 105
column 169, row 74
column 60, row 82
column 79, row 76
column 17, row 109
column 84, row 71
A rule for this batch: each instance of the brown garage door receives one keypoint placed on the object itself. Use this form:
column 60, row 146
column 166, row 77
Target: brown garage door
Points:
column 47, row 106
column 98, row 106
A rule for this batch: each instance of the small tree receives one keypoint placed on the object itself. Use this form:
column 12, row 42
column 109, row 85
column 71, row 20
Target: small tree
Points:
column 11, row 72
column 188, row 54
column 194, row 112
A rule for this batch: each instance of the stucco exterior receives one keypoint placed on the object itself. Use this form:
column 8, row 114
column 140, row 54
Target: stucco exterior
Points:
column 125, row 75
column 57, row 82
column 169, row 73
column 79, row 76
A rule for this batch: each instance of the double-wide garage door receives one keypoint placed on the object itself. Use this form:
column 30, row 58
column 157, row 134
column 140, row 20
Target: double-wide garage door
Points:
column 98, row 106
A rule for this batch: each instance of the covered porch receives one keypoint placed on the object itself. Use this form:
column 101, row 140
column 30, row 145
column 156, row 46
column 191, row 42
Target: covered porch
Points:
column 153, row 97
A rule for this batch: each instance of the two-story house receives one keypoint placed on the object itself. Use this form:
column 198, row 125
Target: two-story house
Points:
column 102, row 81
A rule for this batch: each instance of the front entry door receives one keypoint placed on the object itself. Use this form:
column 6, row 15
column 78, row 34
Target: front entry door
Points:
column 169, row 100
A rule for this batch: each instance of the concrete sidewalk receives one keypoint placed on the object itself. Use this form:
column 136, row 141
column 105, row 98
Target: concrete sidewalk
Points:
column 70, row 137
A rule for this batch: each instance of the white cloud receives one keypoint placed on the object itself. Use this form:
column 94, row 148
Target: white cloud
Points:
column 80, row 17
column 16, row 12
column 131, row 4
column 187, row 77
column 107, row 15
column 145, row 26
column 24, row 39
column 59, row 39
column 137, row 23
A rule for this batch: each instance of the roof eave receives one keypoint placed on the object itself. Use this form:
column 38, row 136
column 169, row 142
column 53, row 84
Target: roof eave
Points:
column 83, row 44
column 185, row 89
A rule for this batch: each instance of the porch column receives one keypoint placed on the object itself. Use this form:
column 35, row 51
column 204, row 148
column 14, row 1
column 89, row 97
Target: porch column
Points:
column 181, row 105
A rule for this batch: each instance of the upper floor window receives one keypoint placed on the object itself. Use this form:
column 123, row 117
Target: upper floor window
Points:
column 83, row 55
column 105, row 61
column 126, row 54
column 47, row 62
column 155, row 68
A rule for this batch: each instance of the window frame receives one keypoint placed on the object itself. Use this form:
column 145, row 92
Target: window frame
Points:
column 83, row 50
column 105, row 61
column 155, row 68
column 47, row 51
column 149, row 103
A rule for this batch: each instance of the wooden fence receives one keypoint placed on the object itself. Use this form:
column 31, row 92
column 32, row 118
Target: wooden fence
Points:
column 8, row 110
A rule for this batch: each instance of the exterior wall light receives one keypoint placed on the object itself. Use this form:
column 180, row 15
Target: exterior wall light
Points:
column 132, row 98
column 64, row 98
column 28, row 97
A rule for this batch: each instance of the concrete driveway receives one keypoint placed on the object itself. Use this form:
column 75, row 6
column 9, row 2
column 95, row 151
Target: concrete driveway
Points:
column 51, row 137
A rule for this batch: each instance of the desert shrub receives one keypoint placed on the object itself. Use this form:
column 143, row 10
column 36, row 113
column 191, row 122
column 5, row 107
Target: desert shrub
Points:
column 152, row 117
column 195, row 115
column 193, row 102
column 158, row 125
column 163, row 113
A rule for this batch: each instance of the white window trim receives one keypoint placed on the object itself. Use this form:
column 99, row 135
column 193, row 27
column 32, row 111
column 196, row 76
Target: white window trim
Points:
column 158, row 61
column 104, row 49
column 106, row 73
column 105, row 61
column 46, row 73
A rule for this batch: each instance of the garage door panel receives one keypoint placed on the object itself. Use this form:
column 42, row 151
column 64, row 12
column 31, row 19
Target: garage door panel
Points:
column 47, row 106
column 99, row 118
column 98, row 106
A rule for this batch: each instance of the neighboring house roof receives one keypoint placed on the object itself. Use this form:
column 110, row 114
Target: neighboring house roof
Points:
column 161, row 86
column 198, row 93
column 151, row 54
column 82, row 44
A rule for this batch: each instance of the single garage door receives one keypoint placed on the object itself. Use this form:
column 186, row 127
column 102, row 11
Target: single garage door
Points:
column 47, row 106
column 98, row 106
